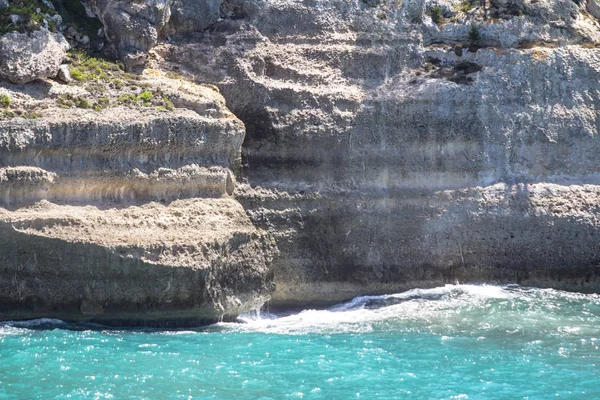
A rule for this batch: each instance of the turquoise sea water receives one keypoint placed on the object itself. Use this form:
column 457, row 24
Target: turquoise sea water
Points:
column 453, row 342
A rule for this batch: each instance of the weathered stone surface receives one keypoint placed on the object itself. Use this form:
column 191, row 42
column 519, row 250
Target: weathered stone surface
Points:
column 132, row 26
column 197, row 260
column 64, row 74
column 593, row 8
column 519, row 23
column 25, row 57
column 192, row 15
column 366, row 127
column 126, row 215
column 382, row 152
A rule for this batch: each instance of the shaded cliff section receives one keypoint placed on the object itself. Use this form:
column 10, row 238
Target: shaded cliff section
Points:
column 385, row 150
column 125, row 215
column 194, row 261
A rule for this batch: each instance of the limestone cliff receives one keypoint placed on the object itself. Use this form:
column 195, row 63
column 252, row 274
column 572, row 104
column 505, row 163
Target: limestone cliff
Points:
column 388, row 144
column 386, row 151
column 124, row 214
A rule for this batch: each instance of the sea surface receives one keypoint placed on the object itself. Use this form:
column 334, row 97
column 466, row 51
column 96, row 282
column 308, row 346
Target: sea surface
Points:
column 452, row 342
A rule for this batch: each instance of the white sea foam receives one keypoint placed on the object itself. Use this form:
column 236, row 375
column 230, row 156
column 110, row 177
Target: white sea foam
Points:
column 35, row 323
column 471, row 310
column 8, row 328
column 482, row 291
column 480, row 310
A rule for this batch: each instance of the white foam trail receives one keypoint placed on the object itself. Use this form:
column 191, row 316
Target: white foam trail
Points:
column 353, row 316
column 34, row 323
column 483, row 291
column 451, row 309
column 8, row 328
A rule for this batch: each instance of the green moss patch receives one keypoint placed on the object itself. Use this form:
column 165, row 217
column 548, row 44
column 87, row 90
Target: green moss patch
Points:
column 4, row 101
column 467, row 5
column 10, row 114
column 102, row 78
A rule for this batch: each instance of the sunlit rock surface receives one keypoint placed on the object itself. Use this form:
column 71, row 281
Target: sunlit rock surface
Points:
column 385, row 151
column 126, row 215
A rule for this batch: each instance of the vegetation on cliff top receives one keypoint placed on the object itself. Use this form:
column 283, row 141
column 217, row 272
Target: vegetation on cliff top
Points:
column 109, row 85
column 4, row 100
column 436, row 15
column 7, row 112
column 26, row 16
column 96, row 84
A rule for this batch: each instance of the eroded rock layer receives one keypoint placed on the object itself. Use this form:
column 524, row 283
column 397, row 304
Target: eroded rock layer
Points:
column 386, row 151
column 388, row 144
column 196, row 260
column 126, row 216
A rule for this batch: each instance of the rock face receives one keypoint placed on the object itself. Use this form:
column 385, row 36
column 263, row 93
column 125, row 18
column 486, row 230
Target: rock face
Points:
column 126, row 216
column 386, row 147
column 593, row 8
column 25, row 57
column 194, row 260
column 193, row 16
column 384, row 151
column 123, row 154
column 132, row 26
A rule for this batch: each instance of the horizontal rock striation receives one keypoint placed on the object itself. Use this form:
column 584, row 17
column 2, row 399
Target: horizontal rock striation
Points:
column 385, row 151
column 123, row 153
column 389, row 144
column 195, row 261
column 126, row 216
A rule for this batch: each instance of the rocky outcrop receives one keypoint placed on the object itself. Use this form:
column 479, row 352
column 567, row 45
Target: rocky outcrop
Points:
column 125, row 215
column 25, row 57
column 385, row 151
column 110, row 157
column 192, row 261
column 193, row 16
column 388, row 145
column 515, row 23
column 132, row 26
column 593, row 8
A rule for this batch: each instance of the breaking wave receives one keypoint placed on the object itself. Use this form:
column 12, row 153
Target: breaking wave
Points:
column 470, row 310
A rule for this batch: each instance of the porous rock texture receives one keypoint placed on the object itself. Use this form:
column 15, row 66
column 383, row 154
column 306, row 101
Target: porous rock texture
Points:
column 132, row 26
column 385, row 151
column 388, row 145
column 25, row 57
column 192, row 261
column 193, row 16
column 125, row 215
